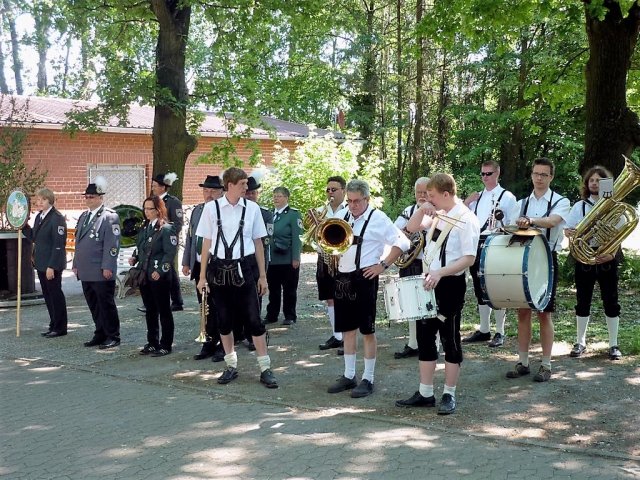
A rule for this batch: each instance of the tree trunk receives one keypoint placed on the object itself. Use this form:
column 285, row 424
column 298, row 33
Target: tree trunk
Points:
column 15, row 45
column 172, row 143
column 442, row 122
column 3, row 80
column 611, row 127
column 400, row 107
column 417, row 126
column 42, row 45
column 367, row 99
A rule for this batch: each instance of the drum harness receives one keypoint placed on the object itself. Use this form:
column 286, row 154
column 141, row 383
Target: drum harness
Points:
column 550, row 207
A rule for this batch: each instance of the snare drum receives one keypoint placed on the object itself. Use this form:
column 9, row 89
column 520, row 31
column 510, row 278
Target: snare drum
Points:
column 405, row 299
column 516, row 271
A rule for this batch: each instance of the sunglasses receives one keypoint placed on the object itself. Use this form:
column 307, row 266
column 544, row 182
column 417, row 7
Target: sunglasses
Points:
column 332, row 189
column 487, row 174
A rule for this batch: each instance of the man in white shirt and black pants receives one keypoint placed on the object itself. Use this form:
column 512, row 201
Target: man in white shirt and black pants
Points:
column 357, row 285
column 232, row 229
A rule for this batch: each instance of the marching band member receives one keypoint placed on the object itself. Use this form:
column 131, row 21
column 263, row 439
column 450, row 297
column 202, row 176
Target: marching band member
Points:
column 547, row 210
column 451, row 248
column 50, row 259
column 95, row 264
column 324, row 277
column 484, row 205
column 605, row 272
column 356, row 287
column 155, row 250
column 160, row 186
column 232, row 229
column 415, row 268
column 284, row 259
column 191, row 265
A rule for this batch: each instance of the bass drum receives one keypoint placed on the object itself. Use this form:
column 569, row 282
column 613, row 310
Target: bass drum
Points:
column 516, row 270
column 131, row 222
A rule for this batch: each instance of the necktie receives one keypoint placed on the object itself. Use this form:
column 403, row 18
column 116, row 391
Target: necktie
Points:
column 199, row 245
column 86, row 222
column 276, row 216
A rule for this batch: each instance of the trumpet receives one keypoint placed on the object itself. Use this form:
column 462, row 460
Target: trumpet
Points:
column 204, row 312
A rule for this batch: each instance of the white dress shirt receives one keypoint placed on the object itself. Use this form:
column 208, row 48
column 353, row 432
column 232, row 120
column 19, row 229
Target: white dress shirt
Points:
column 484, row 205
column 538, row 209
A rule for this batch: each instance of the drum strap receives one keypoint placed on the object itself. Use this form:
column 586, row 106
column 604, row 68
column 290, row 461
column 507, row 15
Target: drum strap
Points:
column 550, row 207
column 440, row 242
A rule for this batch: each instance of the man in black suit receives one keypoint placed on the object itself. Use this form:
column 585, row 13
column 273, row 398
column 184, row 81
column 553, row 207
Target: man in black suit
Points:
column 95, row 264
column 160, row 186
column 50, row 259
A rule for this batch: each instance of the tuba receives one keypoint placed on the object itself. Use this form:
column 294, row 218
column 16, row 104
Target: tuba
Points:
column 417, row 244
column 609, row 222
column 131, row 222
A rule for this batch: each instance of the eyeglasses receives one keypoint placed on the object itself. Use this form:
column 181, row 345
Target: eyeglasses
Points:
column 540, row 175
column 332, row 189
column 486, row 174
column 357, row 201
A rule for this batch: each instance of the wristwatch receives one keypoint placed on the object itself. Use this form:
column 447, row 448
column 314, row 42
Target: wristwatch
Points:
column 384, row 264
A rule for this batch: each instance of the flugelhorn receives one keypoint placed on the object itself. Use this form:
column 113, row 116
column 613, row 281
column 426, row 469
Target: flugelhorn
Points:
column 204, row 312
column 609, row 222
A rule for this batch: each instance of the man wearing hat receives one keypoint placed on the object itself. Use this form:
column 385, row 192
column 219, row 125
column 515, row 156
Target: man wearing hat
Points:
column 191, row 265
column 160, row 186
column 95, row 264
column 253, row 194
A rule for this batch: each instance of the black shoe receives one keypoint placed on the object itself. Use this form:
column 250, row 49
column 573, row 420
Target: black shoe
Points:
column 142, row 309
column 477, row 336
column 160, row 352
column 364, row 389
column 110, row 343
column 417, row 400
column 44, row 334
column 205, row 352
column 406, row 352
column 268, row 379
column 518, row 371
column 218, row 355
column 228, row 375
column 148, row 349
column 177, row 308
column 577, row 350
column 93, row 342
column 53, row 334
column 447, row 405
column 340, row 352
column 342, row 384
column 333, row 342
column 287, row 321
column 268, row 320
column 615, row 353
column 498, row 340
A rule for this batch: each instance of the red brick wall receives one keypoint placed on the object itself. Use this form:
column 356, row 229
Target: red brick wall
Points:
column 66, row 158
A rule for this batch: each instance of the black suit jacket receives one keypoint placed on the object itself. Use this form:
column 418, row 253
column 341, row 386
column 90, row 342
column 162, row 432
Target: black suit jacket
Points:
column 50, row 239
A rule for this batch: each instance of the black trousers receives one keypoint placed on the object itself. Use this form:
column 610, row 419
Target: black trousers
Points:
column 102, row 304
column 283, row 289
column 55, row 300
column 413, row 269
column 606, row 274
column 176, row 294
column 157, row 301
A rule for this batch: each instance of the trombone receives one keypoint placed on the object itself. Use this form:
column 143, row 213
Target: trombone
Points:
column 204, row 312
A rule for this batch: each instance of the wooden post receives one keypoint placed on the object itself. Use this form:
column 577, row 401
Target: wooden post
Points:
column 19, row 286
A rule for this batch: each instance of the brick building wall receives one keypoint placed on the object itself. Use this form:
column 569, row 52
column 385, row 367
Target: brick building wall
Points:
column 68, row 159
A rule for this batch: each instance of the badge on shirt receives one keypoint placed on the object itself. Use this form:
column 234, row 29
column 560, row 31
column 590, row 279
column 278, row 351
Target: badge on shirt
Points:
column 269, row 229
column 300, row 223
column 166, row 267
column 115, row 229
column 113, row 252
column 179, row 212
column 174, row 240
column 60, row 230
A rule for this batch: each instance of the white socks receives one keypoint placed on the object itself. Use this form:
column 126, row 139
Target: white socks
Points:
column 500, row 315
column 485, row 313
column 524, row 358
column 450, row 390
column 426, row 390
column 413, row 338
column 331, row 311
column 231, row 359
column 369, row 368
column 264, row 363
column 612, row 326
column 349, row 366
column 581, row 330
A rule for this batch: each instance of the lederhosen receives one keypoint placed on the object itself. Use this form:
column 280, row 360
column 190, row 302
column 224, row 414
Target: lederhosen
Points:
column 233, row 282
column 449, row 293
column 473, row 269
column 551, row 306
column 586, row 276
column 415, row 267
column 355, row 296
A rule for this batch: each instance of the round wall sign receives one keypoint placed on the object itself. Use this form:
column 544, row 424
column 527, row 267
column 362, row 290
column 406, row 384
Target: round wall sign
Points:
column 17, row 209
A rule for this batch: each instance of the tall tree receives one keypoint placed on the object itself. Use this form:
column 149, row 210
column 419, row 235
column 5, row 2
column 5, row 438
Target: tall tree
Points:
column 9, row 15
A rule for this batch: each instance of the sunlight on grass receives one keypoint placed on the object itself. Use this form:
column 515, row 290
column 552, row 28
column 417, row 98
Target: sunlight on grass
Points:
column 306, row 364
